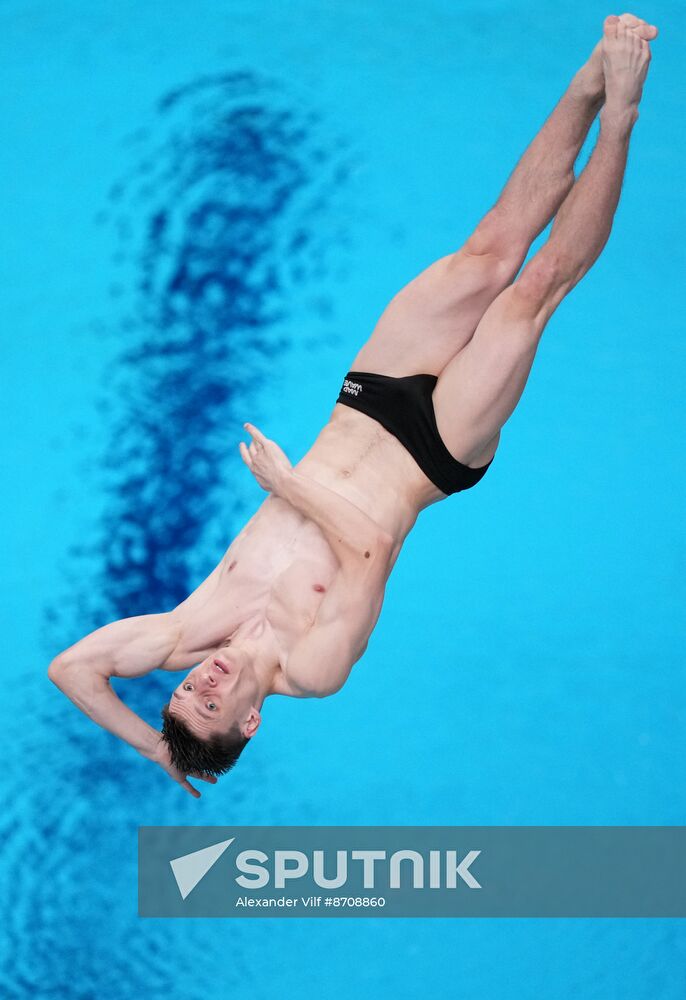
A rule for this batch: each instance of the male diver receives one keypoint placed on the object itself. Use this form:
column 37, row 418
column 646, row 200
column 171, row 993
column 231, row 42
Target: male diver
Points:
column 290, row 607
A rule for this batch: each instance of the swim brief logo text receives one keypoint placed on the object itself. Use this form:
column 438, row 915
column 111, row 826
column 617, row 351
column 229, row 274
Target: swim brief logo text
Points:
column 352, row 388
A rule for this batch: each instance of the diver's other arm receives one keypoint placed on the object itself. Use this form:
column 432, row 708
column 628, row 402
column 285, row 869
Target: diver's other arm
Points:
column 130, row 647
column 357, row 540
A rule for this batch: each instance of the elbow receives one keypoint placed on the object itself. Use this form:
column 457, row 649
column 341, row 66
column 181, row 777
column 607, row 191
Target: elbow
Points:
column 386, row 542
column 55, row 670
column 370, row 558
column 380, row 547
column 60, row 670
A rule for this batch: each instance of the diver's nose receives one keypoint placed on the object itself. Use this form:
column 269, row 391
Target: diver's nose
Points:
column 208, row 678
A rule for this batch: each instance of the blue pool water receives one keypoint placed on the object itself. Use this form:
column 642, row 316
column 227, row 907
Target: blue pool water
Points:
column 206, row 208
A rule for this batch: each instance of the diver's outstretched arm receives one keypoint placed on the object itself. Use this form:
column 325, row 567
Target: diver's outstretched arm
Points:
column 130, row 647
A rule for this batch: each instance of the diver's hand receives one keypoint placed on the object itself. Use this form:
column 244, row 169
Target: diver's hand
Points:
column 267, row 462
column 160, row 755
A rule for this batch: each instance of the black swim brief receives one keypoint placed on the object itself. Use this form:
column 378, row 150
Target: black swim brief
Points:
column 404, row 406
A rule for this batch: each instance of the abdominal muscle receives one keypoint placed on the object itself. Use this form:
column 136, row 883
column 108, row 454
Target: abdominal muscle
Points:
column 277, row 570
column 359, row 459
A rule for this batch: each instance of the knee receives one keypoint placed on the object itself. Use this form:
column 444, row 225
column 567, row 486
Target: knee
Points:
column 542, row 284
column 496, row 238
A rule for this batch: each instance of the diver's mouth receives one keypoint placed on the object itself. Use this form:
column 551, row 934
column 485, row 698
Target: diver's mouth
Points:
column 220, row 666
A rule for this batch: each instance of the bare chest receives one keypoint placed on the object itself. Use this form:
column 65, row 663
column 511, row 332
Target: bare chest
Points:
column 279, row 571
column 295, row 597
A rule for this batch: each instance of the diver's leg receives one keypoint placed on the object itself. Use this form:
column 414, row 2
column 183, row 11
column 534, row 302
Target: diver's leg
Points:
column 432, row 318
column 435, row 314
column 479, row 389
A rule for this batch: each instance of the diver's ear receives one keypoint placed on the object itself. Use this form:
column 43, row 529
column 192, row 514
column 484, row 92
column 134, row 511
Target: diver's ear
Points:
column 252, row 724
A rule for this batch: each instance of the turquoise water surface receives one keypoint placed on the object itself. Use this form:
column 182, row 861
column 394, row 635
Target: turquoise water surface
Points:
column 206, row 207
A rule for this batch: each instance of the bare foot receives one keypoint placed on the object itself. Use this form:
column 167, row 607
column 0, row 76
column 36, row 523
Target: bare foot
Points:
column 626, row 58
column 648, row 32
column 590, row 79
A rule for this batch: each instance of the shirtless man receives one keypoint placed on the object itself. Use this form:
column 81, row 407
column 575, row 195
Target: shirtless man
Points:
column 290, row 607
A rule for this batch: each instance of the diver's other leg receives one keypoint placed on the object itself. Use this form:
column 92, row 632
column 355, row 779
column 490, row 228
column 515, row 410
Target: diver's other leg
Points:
column 479, row 389
column 545, row 174
column 432, row 318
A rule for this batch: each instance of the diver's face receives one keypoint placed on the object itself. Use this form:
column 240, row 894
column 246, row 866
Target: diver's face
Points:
column 218, row 695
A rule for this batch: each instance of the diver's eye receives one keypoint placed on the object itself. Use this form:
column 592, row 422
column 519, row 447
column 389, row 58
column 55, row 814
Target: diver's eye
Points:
column 188, row 686
column 211, row 705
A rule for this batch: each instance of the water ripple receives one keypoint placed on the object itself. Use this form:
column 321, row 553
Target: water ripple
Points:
column 218, row 220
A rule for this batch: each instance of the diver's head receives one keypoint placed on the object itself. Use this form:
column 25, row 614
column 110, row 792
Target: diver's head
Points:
column 213, row 712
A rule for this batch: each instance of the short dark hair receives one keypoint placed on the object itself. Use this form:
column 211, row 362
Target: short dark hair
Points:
column 189, row 752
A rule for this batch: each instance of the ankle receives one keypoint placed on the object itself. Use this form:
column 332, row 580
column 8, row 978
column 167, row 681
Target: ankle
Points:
column 617, row 120
column 588, row 85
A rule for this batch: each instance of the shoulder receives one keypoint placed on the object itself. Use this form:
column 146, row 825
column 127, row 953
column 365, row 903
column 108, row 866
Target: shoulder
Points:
column 311, row 684
column 321, row 661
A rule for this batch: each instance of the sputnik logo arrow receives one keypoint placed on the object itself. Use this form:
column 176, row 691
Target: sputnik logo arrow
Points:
column 190, row 868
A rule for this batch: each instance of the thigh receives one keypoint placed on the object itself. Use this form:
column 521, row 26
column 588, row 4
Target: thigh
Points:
column 433, row 317
column 479, row 389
